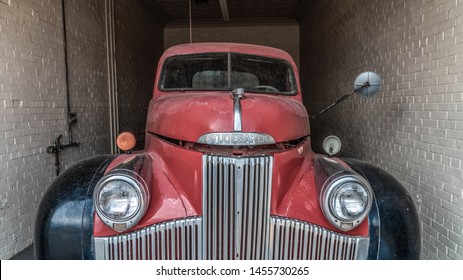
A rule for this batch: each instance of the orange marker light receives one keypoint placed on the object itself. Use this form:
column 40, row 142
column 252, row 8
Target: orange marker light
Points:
column 126, row 141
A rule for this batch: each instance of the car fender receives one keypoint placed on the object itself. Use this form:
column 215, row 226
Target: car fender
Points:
column 64, row 222
column 394, row 221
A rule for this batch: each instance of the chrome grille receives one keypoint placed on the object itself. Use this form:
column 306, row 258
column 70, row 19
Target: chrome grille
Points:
column 296, row 240
column 183, row 240
column 236, row 207
column 174, row 240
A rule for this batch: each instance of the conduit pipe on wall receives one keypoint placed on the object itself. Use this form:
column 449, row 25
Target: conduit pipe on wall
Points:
column 57, row 147
column 112, row 73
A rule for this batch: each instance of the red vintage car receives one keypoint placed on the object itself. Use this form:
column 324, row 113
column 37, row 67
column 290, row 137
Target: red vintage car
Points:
column 227, row 172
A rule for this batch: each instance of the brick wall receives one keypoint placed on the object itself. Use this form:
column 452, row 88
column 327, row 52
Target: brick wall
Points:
column 414, row 127
column 33, row 106
column 33, row 102
column 282, row 35
column 86, row 38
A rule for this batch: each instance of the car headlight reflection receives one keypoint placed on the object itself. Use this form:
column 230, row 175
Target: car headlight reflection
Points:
column 121, row 200
column 349, row 201
column 346, row 201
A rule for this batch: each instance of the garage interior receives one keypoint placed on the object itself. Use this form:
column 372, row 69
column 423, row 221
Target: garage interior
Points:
column 85, row 71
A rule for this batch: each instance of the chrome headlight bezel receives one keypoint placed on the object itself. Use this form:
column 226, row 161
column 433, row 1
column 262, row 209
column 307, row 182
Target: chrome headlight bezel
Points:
column 328, row 195
column 134, row 181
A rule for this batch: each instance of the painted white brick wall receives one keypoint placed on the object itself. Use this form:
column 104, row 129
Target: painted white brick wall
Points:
column 88, row 83
column 414, row 127
column 33, row 107
column 33, row 102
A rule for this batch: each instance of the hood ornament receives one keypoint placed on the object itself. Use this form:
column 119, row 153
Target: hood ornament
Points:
column 236, row 138
column 237, row 121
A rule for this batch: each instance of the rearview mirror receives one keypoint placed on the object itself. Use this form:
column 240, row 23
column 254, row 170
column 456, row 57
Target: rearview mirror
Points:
column 366, row 84
column 371, row 79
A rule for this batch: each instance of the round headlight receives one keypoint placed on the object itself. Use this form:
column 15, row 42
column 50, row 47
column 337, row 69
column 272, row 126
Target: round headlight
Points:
column 346, row 201
column 121, row 200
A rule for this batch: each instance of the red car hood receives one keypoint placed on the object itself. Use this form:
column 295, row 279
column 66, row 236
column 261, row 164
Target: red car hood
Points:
column 187, row 116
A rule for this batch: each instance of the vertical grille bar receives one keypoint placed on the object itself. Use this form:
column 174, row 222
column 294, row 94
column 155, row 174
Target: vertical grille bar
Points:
column 237, row 193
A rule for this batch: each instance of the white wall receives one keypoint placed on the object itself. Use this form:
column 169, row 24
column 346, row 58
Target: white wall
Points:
column 33, row 108
column 414, row 127
column 33, row 103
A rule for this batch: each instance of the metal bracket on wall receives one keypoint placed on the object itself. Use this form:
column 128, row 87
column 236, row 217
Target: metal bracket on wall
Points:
column 56, row 148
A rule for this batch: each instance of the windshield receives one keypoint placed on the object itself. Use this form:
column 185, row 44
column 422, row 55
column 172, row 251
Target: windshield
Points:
column 227, row 71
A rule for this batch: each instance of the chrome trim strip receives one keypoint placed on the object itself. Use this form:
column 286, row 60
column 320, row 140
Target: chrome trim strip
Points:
column 237, row 121
column 236, row 139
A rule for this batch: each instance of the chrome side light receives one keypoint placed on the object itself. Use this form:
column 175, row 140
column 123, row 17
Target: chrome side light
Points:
column 121, row 199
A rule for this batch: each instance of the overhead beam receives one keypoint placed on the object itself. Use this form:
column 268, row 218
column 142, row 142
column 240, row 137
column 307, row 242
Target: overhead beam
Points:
column 224, row 8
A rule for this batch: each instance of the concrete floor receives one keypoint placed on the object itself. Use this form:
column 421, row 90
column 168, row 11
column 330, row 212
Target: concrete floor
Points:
column 26, row 254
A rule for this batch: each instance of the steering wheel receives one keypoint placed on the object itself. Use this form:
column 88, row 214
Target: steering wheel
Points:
column 266, row 88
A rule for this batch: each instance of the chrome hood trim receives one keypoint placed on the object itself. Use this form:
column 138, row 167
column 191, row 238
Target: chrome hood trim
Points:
column 237, row 120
